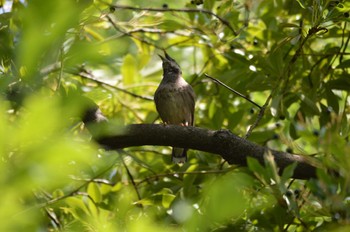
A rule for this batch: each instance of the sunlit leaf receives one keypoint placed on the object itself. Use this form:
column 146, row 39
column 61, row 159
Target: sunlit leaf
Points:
column 167, row 199
column 129, row 70
column 94, row 192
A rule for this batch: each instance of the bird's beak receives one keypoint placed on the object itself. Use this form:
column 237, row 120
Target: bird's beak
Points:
column 167, row 56
column 161, row 57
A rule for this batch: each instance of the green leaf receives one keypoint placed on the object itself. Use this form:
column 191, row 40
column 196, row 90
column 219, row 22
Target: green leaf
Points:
column 292, row 131
column 271, row 168
column 167, row 199
column 262, row 136
column 332, row 100
column 209, row 4
column 288, row 172
column 341, row 83
column 218, row 119
column 212, row 108
column 77, row 207
column 255, row 166
column 42, row 36
column 275, row 105
column 171, row 25
column 188, row 180
column 235, row 119
column 301, row 3
column 344, row 64
column 227, row 188
column 308, row 105
column 129, row 70
column 94, row 192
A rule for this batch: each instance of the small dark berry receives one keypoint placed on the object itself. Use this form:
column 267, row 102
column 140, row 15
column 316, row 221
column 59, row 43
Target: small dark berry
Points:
column 165, row 5
column 316, row 133
column 297, row 193
column 252, row 111
column 275, row 136
column 282, row 117
column 289, row 150
column 199, row 2
column 289, row 193
column 111, row 9
column 192, row 2
column 278, row 124
column 346, row 14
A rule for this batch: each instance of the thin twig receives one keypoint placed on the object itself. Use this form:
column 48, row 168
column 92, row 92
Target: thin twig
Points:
column 132, row 180
column 139, row 161
column 97, row 181
column 60, row 71
column 232, row 90
column 344, row 45
column 177, row 174
column 149, row 30
column 89, row 77
column 178, row 43
column 188, row 10
column 312, row 31
column 54, row 219
column 128, row 107
column 259, row 117
column 130, row 34
column 207, row 62
column 313, row 68
column 75, row 191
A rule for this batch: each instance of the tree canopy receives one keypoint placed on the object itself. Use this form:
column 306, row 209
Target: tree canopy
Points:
column 80, row 146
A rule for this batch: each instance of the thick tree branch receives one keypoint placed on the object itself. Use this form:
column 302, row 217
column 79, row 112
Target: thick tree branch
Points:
column 232, row 148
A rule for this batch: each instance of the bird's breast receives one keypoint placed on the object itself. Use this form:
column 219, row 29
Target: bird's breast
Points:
column 173, row 103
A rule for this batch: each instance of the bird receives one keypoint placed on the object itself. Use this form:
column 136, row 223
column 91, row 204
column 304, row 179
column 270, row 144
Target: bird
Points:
column 175, row 101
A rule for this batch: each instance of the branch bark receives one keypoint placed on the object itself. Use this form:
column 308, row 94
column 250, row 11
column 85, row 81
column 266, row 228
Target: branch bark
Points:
column 232, row 148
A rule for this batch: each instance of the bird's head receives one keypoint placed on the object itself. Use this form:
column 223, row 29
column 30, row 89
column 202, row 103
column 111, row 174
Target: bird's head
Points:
column 169, row 65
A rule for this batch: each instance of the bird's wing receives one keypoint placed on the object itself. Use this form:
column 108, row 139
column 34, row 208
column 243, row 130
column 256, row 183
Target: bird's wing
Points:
column 188, row 98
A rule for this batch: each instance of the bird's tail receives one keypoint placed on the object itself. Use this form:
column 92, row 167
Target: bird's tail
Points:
column 179, row 155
